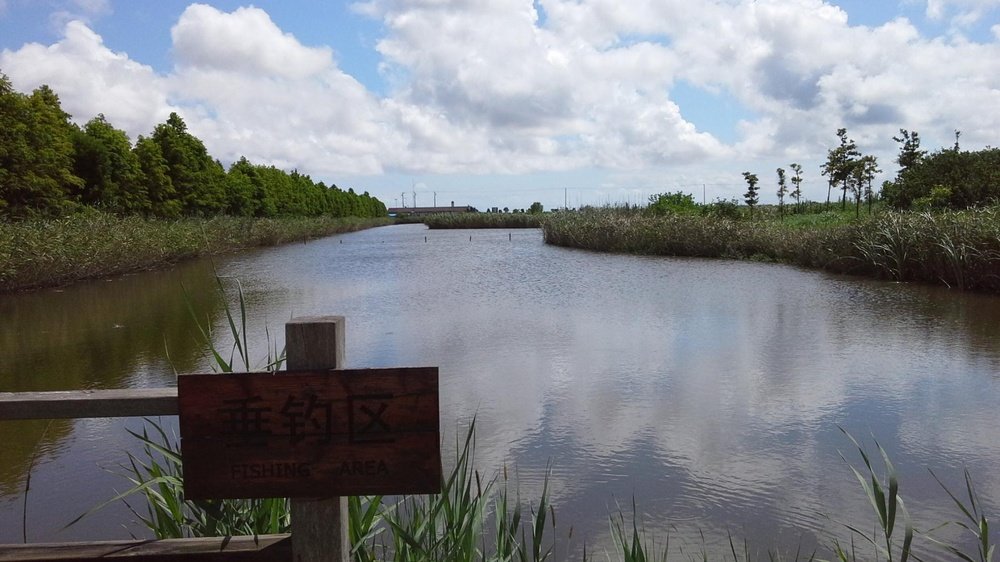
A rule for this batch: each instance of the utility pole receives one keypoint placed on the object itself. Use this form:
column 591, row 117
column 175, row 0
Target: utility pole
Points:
column 413, row 188
column 435, row 198
column 403, row 195
column 565, row 199
column 702, row 194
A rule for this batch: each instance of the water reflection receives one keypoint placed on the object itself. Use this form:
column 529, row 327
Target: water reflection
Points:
column 709, row 390
column 102, row 334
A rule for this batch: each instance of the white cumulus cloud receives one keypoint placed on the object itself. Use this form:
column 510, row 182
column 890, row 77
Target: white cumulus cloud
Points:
column 513, row 86
column 245, row 41
column 964, row 12
column 250, row 89
column 91, row 79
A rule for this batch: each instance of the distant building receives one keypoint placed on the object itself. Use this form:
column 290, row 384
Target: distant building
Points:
column 400, row 211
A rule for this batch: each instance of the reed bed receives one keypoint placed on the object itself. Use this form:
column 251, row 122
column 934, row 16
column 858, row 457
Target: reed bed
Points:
column 50, row 252
column 483, row 220
column 959, row 249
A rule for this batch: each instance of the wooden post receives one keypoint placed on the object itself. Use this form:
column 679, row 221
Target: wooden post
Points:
column 319, row 526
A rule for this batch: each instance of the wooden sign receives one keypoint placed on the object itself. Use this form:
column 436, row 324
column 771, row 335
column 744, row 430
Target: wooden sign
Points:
column 310, row 433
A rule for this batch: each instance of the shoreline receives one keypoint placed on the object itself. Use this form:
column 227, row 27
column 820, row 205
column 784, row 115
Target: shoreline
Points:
column 955, row 249
column 42, row 253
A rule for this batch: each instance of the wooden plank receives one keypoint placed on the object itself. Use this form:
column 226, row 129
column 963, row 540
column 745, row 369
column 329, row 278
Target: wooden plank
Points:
column 309, row 433
column 214, row 549
column 115, row 403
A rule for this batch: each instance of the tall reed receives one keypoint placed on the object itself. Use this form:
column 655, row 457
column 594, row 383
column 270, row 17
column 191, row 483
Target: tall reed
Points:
column 91, row 244
column 883, row 495
column 959, row 249
column 483, row 220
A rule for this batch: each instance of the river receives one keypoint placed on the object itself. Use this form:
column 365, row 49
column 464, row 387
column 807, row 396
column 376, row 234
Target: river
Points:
column 710, row 391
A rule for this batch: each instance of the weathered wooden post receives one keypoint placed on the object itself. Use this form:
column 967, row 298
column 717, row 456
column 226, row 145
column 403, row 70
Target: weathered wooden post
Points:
column 319, row 526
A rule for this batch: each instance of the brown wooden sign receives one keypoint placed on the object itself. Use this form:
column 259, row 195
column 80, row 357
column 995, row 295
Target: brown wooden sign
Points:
column 310, row 433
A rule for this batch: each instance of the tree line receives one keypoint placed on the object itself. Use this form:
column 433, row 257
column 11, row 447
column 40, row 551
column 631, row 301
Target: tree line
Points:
column 50, row 166
column 845, row 167
column 948, row 178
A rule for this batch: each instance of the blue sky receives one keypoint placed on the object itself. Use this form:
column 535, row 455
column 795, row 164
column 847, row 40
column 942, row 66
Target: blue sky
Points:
column 513, row 101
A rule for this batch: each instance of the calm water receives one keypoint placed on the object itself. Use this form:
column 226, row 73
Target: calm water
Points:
column 709, row 391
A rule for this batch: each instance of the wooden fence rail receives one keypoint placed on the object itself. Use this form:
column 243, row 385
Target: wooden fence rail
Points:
column 117, row 403
column 214, row 549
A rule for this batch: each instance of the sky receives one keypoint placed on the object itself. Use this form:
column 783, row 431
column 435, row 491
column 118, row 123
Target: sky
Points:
column 500, row 103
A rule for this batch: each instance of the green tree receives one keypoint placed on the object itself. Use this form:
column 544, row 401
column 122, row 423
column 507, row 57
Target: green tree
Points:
column 36, row 152
column 243, row 175
column 869, row 169
column 240, row 194
column 855, row 183
column 48, row 164
column 839, row 166
column 676, row 203
column 782, row 190
column 797, row 182
column 909, row 150
column 198, row 180
column 536, row 208
column 828, row 169
column 847, row 162
column 750, row 196
column 109, row 168
column 155, row 179
column 950, row 178
column 14, row 149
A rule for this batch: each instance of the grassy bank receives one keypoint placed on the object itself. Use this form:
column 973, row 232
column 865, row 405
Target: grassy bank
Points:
column 959, row 249
column 47, row 252
column 483, row 220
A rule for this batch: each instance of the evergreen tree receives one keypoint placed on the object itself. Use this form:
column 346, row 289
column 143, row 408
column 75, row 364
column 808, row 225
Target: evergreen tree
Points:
column 14, row 149
column 751, row 195
column 869, row 169
column 797, row 182
column 155, row 179
column 110, row 170
column 36, row 152
column 909, row 150
column 198, row 180
column 846, row 162
column 828, row 169
column 48, row 164
column 782, row 190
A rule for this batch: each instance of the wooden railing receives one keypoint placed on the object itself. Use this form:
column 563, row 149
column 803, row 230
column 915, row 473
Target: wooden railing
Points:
column 320, row 524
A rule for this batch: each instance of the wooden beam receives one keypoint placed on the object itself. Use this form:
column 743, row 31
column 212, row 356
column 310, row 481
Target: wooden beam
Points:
column 118, row 403
column 319, row 526
column 214, row 549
